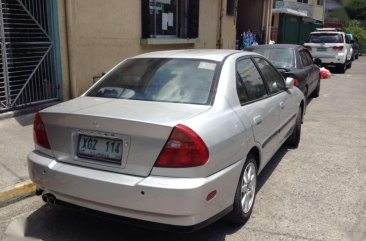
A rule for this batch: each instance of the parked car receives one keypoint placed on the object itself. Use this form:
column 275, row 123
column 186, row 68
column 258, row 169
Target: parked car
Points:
column 293, row 61
column 331, row 47
column 355, row 45
column 174, row 137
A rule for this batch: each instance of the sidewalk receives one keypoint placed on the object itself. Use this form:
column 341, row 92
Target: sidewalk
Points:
column 16, row 141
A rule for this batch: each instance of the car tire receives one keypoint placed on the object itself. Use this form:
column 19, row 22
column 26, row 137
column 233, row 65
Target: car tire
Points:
column 341, row 68
column 316, row 92
column 349, row 65
column 245, row 193
column 294, row 139
column 356, row 56
column 306, row 93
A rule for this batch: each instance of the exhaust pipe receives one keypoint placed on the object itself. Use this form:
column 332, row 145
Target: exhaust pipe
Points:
column 49, row 198
column 39, row 192
column 45, row 198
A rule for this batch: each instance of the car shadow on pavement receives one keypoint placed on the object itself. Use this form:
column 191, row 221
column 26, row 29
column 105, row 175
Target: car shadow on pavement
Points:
column 25, row 120
column 308, row 101
column 56, row 223
column 270, row 167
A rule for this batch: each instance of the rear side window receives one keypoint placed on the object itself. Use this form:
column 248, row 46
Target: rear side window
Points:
column 304, row 58
column 326, row 38
column 271, row 76
column 250, row 85
column 241, row 90
column 309, row 57
column 159, row 79
column 279, row 57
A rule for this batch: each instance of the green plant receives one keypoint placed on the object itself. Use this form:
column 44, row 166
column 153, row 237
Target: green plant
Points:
column 355, row 28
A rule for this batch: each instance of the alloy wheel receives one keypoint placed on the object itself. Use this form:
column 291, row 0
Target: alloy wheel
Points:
column 248, row 187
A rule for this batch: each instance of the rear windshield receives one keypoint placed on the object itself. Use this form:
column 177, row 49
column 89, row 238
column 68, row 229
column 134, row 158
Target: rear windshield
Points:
column 159, row 79
column 280, row 58
column 326, row 38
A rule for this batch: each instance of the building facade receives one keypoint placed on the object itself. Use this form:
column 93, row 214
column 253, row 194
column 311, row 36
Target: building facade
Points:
column 56, row 49
column 293, row 20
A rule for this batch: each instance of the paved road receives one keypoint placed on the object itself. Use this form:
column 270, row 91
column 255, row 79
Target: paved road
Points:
column 316, row 192
column 16, row 140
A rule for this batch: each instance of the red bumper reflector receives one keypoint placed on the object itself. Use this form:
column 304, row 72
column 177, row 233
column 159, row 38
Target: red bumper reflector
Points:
column 211, row 195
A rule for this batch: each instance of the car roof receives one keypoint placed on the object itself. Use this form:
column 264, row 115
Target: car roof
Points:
column 208, row 54
column 275, row 46
column 327, row 32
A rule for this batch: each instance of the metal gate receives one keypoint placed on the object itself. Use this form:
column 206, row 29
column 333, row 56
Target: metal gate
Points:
column 27, row 69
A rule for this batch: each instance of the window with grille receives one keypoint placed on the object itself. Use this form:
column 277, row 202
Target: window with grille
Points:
column 28, row 71
column 170, row 18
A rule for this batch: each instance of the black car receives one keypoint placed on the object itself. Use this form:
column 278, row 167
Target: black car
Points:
column 293, row 61
column 355, row 45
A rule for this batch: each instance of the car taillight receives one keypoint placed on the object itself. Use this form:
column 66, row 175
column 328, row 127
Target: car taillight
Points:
column 39, row 132
column 308, row 48
column 184, row 148
column 338, row 48
column 296, row 82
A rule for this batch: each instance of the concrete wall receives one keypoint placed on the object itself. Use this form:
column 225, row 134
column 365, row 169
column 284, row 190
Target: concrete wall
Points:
column 275, row 27
column 228, row 32
column 318, row 10
column 318, row 13
column 96, row 35
column 64, row 50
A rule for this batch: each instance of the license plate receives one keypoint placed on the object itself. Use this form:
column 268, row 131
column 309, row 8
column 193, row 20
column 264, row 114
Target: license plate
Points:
column 322, row 49
column 99, row 148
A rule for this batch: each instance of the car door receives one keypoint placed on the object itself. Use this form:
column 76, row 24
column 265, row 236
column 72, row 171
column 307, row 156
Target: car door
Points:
column 257, row 107
column 281, row 97
column 308, row 71
column 314, row 75
column 348, row 46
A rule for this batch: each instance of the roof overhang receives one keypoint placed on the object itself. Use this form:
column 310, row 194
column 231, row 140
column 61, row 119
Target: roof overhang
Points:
column 289, row 11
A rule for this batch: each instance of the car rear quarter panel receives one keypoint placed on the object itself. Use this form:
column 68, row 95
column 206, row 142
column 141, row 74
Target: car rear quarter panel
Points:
column 226, row 136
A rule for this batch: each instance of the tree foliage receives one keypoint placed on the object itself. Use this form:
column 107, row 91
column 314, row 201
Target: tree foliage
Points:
column 356, row 9
column 355, row 28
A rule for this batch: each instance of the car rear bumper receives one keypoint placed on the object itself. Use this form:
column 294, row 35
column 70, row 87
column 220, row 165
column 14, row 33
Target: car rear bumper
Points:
column 164, row 200
column 328, row 60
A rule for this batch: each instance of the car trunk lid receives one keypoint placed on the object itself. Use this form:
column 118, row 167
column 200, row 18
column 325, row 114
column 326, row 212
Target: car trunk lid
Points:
column 139, row 128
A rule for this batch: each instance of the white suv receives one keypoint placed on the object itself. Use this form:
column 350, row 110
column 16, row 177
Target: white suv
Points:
column 331, row 47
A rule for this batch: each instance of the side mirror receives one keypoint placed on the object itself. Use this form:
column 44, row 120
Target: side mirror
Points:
column 317, row 61
column 352, row 41
column 290, row 83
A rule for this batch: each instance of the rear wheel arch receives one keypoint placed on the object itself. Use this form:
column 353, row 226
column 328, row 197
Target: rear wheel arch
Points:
column 256, row 153
column 306, row 90
column 302, row 106
column 245, row 188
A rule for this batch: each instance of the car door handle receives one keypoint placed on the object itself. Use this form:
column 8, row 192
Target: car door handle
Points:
column 282, row 105
column 258, row 119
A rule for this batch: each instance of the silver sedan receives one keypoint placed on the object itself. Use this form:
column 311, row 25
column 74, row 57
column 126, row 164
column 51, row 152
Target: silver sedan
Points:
column 174, row 137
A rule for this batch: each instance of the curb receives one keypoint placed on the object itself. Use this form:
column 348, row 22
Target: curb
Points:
column 18, row 191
